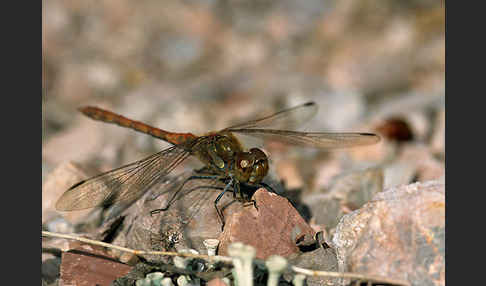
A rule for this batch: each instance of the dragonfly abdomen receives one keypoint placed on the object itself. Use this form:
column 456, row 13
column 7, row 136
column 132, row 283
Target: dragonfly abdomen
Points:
column 110, row 117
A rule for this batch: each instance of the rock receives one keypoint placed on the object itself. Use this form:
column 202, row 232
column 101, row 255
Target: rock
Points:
column 86, row 265
column 72, row 83
column 372, row 154
column 51, row 258
column 414, row 161
column 427, row 166
column 50, row 268
column 326, row 170
column 437, row 143
column 217, row 282
column 179, row 52
column 288, row 170
column 326, row 210
column 399, row 234
column 101, row 76
column 54, row 244
column 357, row 187
column 59, row 225
column 405, row 127
column 323, row 259
column 395, row 128
column 56, row 183
column 420, row 125
column 347, row 192
column 273, row 229
column 80, row 143
column 399, row 173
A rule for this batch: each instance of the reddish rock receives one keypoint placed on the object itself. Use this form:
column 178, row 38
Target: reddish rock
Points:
column 399, row 234
column 217, row 282
column 274, row 228
column 85, row 265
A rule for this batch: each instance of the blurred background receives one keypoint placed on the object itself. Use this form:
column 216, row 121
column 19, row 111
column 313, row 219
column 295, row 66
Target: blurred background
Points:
column 196, row 66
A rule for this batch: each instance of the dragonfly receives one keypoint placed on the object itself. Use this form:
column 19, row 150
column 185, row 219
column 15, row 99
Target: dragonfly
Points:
column 223, row 156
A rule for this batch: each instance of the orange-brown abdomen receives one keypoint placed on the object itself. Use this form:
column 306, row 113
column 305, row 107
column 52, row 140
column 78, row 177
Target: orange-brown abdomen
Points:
column 110, row 117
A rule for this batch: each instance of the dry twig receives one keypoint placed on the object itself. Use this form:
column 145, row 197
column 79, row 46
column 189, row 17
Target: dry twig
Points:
column 296, row 269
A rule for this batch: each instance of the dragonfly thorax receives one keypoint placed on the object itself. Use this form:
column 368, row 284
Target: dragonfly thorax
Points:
column 224, row 154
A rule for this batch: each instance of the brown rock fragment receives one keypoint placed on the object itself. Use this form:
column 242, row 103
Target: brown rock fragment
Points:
column 86, row 266
column 217, row 282
column 273, row 228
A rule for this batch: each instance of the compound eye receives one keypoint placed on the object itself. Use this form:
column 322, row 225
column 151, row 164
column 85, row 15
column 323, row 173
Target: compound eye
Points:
column 260, row 167
column 258, row 154
column 244, row 160
column 244, row 166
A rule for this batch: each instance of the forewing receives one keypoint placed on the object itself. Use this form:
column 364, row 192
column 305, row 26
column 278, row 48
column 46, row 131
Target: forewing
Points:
column 122, row 184
column 313, row 139
column 286, row 119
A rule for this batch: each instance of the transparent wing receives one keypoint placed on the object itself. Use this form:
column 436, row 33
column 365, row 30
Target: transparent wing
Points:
column 122, row 184
column 313, row 139
column 286, row 119
column 193, row 196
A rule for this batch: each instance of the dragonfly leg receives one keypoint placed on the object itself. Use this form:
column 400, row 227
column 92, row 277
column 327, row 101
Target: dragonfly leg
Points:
column 220, row 214
column 172, row 199
column 267, row 187
column 234, row 192
column 244, row 197
column 251, row 202
column 237, row 191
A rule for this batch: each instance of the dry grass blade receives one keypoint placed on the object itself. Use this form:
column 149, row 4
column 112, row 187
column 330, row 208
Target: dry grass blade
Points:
column 136, row 252
column 296, row 269
column 363, row 277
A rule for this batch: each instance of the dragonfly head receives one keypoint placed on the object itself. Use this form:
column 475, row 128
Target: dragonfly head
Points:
column 251, row 167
